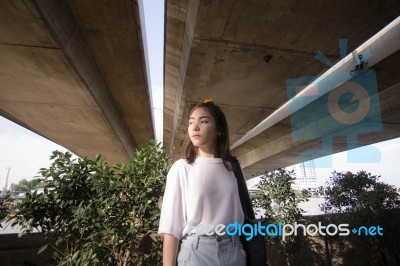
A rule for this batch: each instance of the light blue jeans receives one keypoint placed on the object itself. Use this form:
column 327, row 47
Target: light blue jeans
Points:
column 213, row 250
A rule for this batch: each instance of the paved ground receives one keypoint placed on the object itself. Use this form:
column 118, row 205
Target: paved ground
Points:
column 310, row 207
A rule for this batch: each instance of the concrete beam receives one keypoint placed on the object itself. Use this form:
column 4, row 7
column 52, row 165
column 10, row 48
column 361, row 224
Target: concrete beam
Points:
column 74, row 72
column 284, row 151
column 63, row 26
column 226, row 62
column 173, row 109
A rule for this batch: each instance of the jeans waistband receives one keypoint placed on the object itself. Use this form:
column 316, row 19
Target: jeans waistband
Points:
column 214, row 236
column 219, row 240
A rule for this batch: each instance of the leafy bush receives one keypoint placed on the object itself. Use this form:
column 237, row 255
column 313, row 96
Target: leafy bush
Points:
column 280, row 202
column 362, row 200
column 6, row 203
column 95, row 214
column 360, row 192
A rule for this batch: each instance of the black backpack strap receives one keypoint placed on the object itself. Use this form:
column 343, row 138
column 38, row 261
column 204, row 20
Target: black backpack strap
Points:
column 256, row 248
column 243, row 192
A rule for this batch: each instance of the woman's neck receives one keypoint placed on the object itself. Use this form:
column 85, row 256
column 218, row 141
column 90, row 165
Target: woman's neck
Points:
column 208, row 153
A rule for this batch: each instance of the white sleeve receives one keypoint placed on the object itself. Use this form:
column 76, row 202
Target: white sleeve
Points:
column 173, row 214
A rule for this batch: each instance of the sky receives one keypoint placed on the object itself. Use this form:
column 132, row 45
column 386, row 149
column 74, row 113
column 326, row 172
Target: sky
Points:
column 26, row 152
column 154, row 23
column 386, row 167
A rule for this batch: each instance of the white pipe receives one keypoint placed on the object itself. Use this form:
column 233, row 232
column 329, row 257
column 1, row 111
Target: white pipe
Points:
column 383, row 44
column 6, row 183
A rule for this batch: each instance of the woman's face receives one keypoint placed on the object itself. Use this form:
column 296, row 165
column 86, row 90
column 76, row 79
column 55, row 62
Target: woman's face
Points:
column 202, row 129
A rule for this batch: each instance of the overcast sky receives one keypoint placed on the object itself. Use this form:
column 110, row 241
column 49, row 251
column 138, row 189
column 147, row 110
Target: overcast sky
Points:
column 386, row 167
column 26, row 152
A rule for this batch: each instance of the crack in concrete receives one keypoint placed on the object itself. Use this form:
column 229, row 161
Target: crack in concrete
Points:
column 246, row 46
column 30, row 46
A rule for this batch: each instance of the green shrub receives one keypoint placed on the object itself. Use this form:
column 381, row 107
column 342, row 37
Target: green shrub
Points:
column 95, row 214
column 362, row 200
column 280, row 202
column 6, row 203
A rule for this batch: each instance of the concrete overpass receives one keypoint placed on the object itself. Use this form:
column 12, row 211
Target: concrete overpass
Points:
column 241, row 53
column 74, row 72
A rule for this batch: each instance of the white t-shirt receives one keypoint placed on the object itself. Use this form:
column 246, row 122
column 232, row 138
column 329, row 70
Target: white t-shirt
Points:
column 198, row 197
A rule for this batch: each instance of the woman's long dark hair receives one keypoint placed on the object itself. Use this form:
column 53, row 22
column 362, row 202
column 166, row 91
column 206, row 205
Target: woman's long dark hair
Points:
column 222, row 150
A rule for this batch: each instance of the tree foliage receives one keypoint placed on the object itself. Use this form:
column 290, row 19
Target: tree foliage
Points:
column 24, row 185
column 360, row 192
column 99, row 214
column 6, row 203
column 281, row 204
column 361, row 200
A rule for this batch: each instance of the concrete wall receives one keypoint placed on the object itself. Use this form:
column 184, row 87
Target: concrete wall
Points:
column 15, row 251
column 350, row 250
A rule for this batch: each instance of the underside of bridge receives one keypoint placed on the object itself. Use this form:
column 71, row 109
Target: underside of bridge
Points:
column 74, row 72
column 241, row 53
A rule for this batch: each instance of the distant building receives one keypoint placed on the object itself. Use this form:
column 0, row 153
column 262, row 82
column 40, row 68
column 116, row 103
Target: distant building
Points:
column 305, row 176
column 252, row 184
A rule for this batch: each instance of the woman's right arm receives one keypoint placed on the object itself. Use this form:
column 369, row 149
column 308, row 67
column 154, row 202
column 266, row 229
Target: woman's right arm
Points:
column 172, row 217
column 170, row 250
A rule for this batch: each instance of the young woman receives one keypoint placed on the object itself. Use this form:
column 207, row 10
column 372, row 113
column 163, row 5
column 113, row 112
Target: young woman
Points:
column 201, row 193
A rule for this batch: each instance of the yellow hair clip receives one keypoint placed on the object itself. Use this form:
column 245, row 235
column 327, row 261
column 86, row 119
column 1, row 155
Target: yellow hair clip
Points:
column 208, row 100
